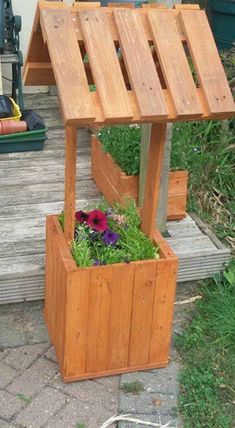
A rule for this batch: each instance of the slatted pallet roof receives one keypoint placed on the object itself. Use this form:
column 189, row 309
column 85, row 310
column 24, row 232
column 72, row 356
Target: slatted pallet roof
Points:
column 148, row 65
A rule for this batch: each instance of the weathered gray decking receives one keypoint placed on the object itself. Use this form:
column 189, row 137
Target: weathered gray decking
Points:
column 32, row 185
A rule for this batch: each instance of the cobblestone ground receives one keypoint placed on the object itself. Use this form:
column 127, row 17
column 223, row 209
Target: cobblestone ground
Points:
column 32, row 394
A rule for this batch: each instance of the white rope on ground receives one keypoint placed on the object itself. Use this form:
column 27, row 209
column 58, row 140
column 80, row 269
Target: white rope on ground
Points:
column 127, row 418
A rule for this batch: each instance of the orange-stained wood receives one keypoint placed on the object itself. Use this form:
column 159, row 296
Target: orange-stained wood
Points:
column 98, row 319
column 143, row 300
column 67, row 65
column 174, row 64
column 70, row 181
column 140, row 67
column 152, row 184
column 104, row 65
column 102, row 319
column 207, row 62
column 163, row 308
column 115, row 185
column 77, row 308
column 120, row 315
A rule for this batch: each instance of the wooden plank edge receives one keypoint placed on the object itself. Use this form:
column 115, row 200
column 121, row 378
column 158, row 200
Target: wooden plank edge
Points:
column 114, row 372
column 62, row 245
column 207, row 231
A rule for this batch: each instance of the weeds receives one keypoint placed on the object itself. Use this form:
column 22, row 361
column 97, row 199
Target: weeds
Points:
column 206, row 150
column 23, row 398
column 135, row 387
column 207, row 347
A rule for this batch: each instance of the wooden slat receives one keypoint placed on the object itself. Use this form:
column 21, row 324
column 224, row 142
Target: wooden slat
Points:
column 140, row 65
column 70, row 182
column 122, row 5
column 67, row 64
column 143, row 297
column 163, row 310
column 77, row 305
column 98, row 319
column 207, row 62
column 174, row 63
column 120, row 315
column 105, row 65
column 180, row 6
column 153, row 175
column 141, row 13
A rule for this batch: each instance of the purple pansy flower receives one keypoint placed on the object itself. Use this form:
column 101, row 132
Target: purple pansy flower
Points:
column 110, row 238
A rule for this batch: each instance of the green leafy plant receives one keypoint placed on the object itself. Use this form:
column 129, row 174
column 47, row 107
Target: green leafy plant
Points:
column 109, row 235
column 123, row 144
column 135, row 387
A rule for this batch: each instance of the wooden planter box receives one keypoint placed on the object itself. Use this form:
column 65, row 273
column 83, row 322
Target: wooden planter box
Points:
column 116, row 185
column 106, row 320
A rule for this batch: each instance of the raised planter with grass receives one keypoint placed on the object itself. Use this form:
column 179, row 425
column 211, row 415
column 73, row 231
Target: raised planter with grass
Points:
column 116, row 185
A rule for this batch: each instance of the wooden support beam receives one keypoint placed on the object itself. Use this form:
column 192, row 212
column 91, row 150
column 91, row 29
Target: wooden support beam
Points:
column 152, row 184
column 70, row 181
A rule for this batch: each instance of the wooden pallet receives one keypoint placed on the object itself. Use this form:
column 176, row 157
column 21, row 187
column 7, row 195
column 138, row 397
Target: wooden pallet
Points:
column 153, row 85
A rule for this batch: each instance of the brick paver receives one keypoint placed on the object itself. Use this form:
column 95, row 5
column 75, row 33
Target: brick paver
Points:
column 4, row 424
column 79, row 412
column 22, row 357
column 33, row 394
column 9, row 405
column 43, row 407
column 91, row 393
column 34, row 378
column 7, row 374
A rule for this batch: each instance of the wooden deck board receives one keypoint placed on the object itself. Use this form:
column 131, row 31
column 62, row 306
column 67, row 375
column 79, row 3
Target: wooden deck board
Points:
column 32, row 186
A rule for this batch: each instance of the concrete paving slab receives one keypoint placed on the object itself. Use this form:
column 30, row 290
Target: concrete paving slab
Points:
column 34, row 378
column 22, row 357
column 7, row 374
column 45, row 405
column 22, row 324
column 79, row 412
column 9, row 405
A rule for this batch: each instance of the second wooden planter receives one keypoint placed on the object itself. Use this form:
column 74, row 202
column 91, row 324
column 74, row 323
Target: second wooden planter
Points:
column 116, row 185
column 112, row 319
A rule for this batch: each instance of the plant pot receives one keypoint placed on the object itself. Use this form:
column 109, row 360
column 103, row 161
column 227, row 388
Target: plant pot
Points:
column 105, row 320
column 116, row 185
column 12, row 126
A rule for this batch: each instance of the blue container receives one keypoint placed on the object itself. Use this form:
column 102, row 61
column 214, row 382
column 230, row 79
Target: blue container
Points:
column 222, row 18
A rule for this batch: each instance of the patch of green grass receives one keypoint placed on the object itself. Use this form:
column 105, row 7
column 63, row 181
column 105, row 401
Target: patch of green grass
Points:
column 23, row 398
column 135, row 387
column 206, row 150
column 80, row 425
column 207, row 347
column 123, row 144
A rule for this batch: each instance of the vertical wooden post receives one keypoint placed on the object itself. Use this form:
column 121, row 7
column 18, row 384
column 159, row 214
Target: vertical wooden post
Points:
column 70, row 181
column 164, row 182
column 152, row 184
